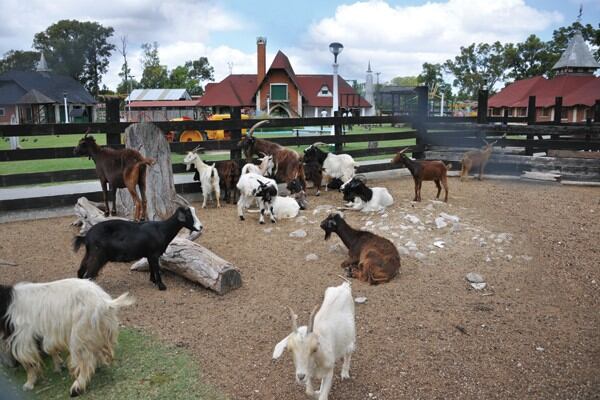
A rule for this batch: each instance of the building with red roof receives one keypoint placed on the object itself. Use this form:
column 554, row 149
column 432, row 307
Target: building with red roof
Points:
column 280, row 92
column 574, row 82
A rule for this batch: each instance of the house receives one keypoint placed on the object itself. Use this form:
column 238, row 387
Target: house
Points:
column 37, row 97
column 160, row 105
column 280, row 92
column 574, row 82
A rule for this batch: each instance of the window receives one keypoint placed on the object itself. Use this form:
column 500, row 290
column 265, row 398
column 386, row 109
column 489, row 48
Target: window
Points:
column 546, row 111
column 279, row 92
column 324, row 91
column 2, row 113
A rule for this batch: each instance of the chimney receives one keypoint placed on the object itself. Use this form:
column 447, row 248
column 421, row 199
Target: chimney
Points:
column 261, row 58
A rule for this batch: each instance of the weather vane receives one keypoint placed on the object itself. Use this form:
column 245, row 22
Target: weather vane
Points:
column 580, row 12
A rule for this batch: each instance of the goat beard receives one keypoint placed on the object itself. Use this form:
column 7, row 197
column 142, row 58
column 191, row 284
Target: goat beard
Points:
column 327, row 235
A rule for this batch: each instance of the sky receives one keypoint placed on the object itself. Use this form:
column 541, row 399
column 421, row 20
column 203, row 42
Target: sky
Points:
column 397, row 37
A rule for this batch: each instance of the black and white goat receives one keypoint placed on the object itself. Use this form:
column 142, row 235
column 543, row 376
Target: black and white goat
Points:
column 118, row 240
column 340, row 166
column 363, row 198
column 256, row 187
column 73, row 315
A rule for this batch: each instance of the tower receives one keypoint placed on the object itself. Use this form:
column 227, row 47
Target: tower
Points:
column 369, row 94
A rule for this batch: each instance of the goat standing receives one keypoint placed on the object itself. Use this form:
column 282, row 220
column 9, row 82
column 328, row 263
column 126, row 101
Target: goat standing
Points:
column 476, row 158
column 371, row 258
column 330, row 336
column 423, row 170
column 341, row 166
column 208, row 175
column 118, row 168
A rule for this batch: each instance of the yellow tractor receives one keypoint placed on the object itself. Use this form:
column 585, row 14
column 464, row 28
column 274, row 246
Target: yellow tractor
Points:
column 198, row 136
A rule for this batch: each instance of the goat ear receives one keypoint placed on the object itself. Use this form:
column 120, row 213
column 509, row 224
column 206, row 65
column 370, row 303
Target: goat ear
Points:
column 180, row 215
column 280, row 347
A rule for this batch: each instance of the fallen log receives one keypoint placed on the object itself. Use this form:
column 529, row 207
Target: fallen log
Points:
column 182, row 256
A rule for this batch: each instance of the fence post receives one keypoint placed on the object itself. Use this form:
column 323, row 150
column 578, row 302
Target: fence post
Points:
column 236, row 134
column 557, row 113
column 505, row 117
column 113, row 135
column 597, row 111
column 421, row 118
column 337, row 130
column 530, row 121
column 482, row 106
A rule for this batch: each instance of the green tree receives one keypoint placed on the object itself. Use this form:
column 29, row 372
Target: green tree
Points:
column 404, row 81
column 478, row 66
column 77, row 49
column 530, row 58
column 19, row 60
column 432, row 76
column 191, row 75
column 154, row 76
column 125, row 87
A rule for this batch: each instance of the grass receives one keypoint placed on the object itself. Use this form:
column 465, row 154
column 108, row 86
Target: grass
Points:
column 62, row 164
column 144, row 369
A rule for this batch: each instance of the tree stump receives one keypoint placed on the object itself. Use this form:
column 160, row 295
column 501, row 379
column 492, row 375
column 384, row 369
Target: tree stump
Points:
column 182, row 256
column 163, row 200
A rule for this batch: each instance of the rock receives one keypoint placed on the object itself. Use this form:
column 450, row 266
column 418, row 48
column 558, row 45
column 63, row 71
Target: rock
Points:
column 478, row 286
column 323, row 207
column 456, row 227
column 360, row 300
column 487, row 259
column 311, row 257
column 509, row 257
column 429, row 207
column 268, row 230
column 413, row 219
column 420, row 255
column 384, row 215
column 384, row 228
column 527, row 258
column 452, row 218
column 300, row 233
column 368, row 223
column 439, row 243
column 394, row 234
column 440, row 223
column 337, row 248
column 403, row 250
column 539, row 348
column 474, row 277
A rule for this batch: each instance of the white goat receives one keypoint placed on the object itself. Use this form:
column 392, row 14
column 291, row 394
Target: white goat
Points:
column 209, row 177
column 264, row 190
column 341, row 166
column 285, row 207
column 265, row 168
column 330, row 335
column 365, row 199
column 73, row 315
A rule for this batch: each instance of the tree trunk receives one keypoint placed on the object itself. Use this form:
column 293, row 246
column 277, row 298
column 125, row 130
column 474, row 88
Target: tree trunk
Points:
column 198, row 264
column 182, row 256
column 163, row 200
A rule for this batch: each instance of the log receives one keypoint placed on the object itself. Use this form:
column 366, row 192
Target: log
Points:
column 198, row 264
column 163, row 200
column 182, row 256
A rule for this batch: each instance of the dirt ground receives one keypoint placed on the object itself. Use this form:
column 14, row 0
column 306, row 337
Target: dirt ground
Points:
column 533, row 332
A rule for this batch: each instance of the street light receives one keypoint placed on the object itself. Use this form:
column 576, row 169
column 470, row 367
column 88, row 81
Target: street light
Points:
column 66, row 107
column 335, row 48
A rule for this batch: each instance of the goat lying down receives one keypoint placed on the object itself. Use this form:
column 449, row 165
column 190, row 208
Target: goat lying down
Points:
column 73, row 315
column 330, row 335
column 365, row 199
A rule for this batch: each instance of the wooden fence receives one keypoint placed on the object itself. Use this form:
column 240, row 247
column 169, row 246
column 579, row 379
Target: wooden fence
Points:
column 427, row 131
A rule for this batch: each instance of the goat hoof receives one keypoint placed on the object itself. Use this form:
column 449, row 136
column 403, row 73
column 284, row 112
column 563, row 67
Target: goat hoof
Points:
column 161, row 286
column 75, row 392
column 242, row 218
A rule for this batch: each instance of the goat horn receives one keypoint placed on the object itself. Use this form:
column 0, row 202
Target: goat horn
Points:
column 319, row 144
column 294, row 319
column 256, row 125
column 311, row 320
column 403, row 150
column 197, row 148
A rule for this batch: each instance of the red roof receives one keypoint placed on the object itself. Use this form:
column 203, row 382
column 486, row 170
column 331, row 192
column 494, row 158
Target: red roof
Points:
column 165, row 103
column 310, row 86
column 233, row 91
column 574, row 89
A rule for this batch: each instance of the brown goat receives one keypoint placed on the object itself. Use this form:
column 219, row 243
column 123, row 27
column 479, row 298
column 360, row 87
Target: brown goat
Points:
column 229, row 175
column 313, row 172
column 371, row 258
column 423, row 170
column 118, row 168
column 288, row 163
column 476, row 158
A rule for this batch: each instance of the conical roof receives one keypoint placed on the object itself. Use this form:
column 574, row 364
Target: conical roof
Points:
column 577, row 55
column 42, row 65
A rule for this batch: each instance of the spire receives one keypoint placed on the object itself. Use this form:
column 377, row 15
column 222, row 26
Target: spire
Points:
column 369, row 68
column 369, row 95
column 42, row 65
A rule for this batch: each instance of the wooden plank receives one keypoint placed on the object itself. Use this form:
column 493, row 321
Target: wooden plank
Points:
column 384, row 150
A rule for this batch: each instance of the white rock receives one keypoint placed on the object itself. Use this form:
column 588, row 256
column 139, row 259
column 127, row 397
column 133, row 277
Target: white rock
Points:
column 456, row 227
column 323, row 207
column 440, row 223
column 421, row 227
column 452, row 218
column 478, row 286
column 509, row 257
column 527, row 258
column 404, row 227
column 300, row 233
column 368, row 223
column 360, row 300
column 403, row 250
column 384, row 228
column 268, row 230
column 487, row 259
column 439, row 243
column 474, row 277
column 384, row 215
column 539, row 348
column 412, row 219
column 420, row 255
column 394, row 234
column 429, row 207
column 311, row 257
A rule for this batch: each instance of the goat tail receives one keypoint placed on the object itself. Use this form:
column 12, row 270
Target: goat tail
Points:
column 148, row 161
column 123, row 300
column 77, row 242
column 449, row 166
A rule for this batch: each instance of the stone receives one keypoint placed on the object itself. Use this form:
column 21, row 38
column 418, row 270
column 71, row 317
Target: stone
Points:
column 420, row 255
column 451, row 218
column 311, row 257
column 478, row 286
column 474, row 277
column 412, row 219
column 403, row 250
column 360, row 300
column 268, row 230
column 439, row 243
column 300, row 233
column 440, row 223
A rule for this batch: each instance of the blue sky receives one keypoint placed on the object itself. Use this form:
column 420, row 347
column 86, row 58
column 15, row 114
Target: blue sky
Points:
column 396, row 36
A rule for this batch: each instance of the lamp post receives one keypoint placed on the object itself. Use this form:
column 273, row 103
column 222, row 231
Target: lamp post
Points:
column 335, row 48
column 66, row 107
column 268, row 105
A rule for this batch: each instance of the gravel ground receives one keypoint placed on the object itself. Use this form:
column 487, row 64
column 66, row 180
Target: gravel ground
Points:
column 532, row 333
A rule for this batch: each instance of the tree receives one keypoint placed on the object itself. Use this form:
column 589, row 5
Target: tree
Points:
column 404, row 81
column 77, row 49
column 432, row 76
column 477, row 67
column 154, row 75
column 529, row 58
column 127, row 86
column 191, row 75
column 19, row 60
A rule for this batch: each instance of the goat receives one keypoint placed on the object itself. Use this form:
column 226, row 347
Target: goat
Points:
column 118, row 168
column 476, row 158
column 371, row 258
column 297, row 192
column 255, row 186
column 229, row 174
column 265, row 168
column 287, row 162
column 118, row 240
column 423, row 170
column 313, row 171
column 285, row 207
column 330, row 335
column 73, row 315
column 208, row 175
column 365, row 199
column 334, row 165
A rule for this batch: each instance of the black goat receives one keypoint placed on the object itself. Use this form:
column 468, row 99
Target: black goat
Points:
column 121, row 241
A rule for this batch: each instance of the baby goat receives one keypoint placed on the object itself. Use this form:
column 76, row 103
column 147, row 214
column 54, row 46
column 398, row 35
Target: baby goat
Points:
column 264, row 190
column 476, row 158
column 422, row 170
column 364, row 198
column 371, row 258
column 265, row 168
column 330, row 335
column 118, row 240
column 209, row 177
column 73, row 315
